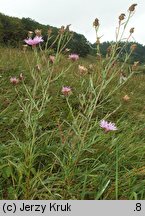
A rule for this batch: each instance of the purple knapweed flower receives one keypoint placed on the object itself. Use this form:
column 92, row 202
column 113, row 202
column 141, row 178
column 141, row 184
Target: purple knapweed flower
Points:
column 34, row 41
column 14, row 80
column 66, row 90
column 107, row 126
column 73, row 57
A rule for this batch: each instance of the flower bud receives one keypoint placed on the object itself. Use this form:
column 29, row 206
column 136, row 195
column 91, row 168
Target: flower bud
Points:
column 96, row 23
column 38, row 32
column 30, row 34
column 132, row 7
column 62, row 30
column 133, row 47
column 121, row 17
column 49, row 31
column 131, row 30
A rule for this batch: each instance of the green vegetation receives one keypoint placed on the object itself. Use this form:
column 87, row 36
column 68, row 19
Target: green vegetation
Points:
column 137, row 55
column 51, row 144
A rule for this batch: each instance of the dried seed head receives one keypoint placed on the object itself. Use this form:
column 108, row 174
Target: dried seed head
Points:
column 96, row 23
column 62, row 30
column 30, row 33
column 52, row 58
column 38, row 67
column 67, row 27
column 109, row 49
column 82, row 69
column 132, row 7
column 136, row 63
column 49, row 31
column 91, row 67
column 131, row 30
column 25, row 47
column 67, row 50
column 133, row 47
column 126, row 98
column 99, row 56
column 98, row 40
column 121, row 17
column 38, row 32
column 21, row 77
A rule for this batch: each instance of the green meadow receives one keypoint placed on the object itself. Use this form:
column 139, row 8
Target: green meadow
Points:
column 52, row 144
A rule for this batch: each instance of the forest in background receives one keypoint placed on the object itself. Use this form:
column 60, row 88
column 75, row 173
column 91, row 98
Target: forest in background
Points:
column 14, row 30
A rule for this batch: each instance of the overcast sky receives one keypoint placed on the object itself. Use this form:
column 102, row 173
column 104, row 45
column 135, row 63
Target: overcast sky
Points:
column 81, row 14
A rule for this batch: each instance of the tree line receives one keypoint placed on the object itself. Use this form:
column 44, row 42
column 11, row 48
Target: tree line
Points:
column 14, row 30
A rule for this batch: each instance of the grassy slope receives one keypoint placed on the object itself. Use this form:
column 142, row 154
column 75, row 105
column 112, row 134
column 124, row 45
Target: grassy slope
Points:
column 108, row 166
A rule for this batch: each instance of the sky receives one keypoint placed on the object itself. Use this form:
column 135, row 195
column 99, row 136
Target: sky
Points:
column 80, row 14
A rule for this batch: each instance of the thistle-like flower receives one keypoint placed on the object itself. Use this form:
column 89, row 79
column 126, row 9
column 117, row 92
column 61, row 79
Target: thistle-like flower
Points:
column 66, row 90
column 73, row 57
column 107, row 126
column 14, row 80
column 34, row 41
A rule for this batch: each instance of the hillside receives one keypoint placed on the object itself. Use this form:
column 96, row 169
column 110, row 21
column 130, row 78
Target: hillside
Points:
column 14, row 30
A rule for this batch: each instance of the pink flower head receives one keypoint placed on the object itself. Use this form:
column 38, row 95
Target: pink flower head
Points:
column 14, row 80
column 51, row 58
column 34, row 41
column 73, row 57
column 107, row 126
column 66, row 90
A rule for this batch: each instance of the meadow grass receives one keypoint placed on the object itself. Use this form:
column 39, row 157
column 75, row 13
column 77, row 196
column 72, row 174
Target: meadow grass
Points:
column 52, row 145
